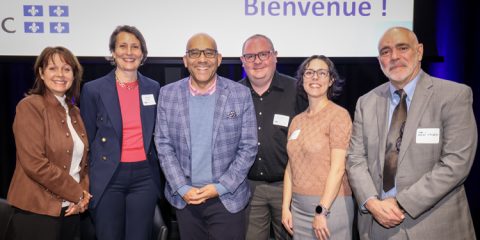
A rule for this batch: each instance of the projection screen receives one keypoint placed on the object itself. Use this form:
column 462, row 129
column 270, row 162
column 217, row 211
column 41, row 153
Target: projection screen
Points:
column 299, row 28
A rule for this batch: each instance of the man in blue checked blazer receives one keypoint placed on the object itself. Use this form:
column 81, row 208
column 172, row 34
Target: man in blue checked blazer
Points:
column 206, row 137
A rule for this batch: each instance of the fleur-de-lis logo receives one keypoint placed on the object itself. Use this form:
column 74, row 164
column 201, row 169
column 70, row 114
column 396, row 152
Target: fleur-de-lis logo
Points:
column 34, row 28
column 33, row 11
column 59, row 27
column 58, row 11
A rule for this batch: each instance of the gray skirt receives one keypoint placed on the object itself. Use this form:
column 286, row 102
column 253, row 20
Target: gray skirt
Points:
column 339, row 221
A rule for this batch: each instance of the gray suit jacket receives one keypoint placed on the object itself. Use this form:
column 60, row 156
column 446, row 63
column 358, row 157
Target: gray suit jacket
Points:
column 234, row 143
column 429, row 177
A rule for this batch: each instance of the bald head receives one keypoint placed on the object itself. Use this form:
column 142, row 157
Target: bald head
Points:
column 399, row 31
column 400, row 55
column 201, row 41
column 258, row 37
column 202, row 60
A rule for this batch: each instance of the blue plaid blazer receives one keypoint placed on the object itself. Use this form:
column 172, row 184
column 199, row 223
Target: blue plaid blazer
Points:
column 234, row 140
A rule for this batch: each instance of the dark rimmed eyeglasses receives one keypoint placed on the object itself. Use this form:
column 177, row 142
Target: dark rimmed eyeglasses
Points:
column 250, row 57
column 321, row 73
column 196, row 53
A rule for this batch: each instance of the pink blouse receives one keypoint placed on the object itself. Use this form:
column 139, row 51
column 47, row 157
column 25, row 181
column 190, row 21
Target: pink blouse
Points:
column 132, row 140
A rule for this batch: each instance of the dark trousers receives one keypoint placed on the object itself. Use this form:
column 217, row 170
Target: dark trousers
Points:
column 27, row 225
column 210, row 221
column 265, row 211
column 126, row 209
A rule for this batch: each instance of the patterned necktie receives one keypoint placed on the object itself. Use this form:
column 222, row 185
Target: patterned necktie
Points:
column 394, row 140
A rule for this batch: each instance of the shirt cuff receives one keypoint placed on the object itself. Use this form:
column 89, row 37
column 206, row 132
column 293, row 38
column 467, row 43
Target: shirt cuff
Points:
column 363, row 208
column 184, row 189
column 220, row 189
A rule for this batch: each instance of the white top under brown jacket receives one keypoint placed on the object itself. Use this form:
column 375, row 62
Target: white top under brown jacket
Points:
column 44, row 145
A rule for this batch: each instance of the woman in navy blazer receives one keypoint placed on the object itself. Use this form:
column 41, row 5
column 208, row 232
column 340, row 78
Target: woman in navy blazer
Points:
column 119, row 111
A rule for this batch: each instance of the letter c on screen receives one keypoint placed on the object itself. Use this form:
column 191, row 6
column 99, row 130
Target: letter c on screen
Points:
column 4, row 27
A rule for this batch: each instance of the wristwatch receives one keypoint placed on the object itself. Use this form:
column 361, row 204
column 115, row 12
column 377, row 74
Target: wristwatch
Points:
column 322, row 210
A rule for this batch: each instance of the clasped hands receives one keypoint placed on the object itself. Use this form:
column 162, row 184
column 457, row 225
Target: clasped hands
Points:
column 200, row 195
column 81, row 206
column 386, row 212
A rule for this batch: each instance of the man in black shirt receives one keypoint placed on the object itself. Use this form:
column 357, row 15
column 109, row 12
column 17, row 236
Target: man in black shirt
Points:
column 276, row 103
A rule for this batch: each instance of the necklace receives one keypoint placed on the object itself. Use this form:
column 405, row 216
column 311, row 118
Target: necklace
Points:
column 127, row 85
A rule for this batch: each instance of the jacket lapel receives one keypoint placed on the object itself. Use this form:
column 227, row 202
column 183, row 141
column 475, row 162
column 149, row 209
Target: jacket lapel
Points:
column 147, row 113
column 421, row 97
column 183, row 109
column 382, row 123
column 223, row 92
column 112, row 103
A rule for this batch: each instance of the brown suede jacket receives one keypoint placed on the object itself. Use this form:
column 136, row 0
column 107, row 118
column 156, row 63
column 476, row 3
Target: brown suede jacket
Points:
column 44, row 145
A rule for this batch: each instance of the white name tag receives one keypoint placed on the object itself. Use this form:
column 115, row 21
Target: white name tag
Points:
column 294, row 135
column 428, row 135
column 281, row 120
column 148, row 100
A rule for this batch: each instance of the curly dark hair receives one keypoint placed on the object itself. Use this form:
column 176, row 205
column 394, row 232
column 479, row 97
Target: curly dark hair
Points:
column 333, row 91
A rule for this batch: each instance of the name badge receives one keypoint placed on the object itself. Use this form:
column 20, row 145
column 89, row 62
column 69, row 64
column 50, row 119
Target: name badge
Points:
column 281, row 120
column 148, row 100
column 294, row 135
column 428, row 135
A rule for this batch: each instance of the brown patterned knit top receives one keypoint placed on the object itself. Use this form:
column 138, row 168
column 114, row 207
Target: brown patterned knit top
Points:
column 310, row 139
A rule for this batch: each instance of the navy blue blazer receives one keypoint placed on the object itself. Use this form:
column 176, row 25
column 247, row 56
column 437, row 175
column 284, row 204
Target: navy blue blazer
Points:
column 100, row 110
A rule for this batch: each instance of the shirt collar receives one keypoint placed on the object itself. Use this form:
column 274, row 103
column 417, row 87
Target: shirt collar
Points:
column 409, row 89
column 275, row 84
column 61, row 100
column 196, row 92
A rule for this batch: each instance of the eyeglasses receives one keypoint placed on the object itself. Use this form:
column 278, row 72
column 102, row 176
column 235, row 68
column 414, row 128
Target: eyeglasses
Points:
column 250, row 57
column 321, row 73
column 196, row 53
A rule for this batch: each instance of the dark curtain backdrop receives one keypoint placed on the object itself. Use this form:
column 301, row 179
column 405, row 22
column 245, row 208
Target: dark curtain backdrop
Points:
column 449, row 29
